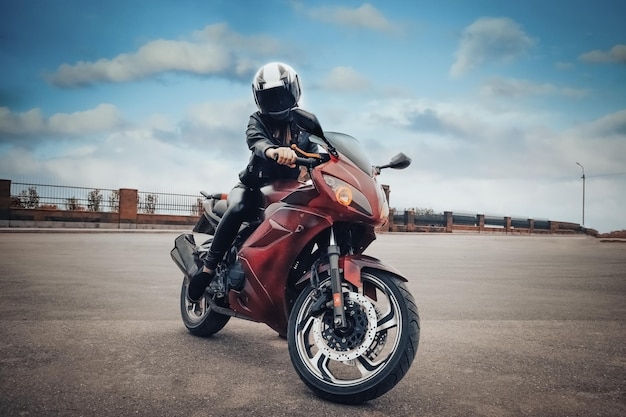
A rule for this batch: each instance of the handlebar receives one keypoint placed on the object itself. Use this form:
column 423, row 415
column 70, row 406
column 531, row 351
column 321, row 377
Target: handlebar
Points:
column 300, row 161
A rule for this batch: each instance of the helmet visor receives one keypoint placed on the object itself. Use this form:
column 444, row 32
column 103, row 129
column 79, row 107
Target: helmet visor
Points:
column 275, row 100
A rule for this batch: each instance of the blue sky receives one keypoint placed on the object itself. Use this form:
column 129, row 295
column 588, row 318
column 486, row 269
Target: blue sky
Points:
column 495, row 101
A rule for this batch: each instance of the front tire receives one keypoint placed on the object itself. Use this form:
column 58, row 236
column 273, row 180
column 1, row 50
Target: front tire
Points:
column 368, row 358
column 198, row 317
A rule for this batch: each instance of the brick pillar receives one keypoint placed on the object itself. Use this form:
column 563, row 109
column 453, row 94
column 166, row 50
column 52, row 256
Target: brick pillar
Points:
column 409, row 220
column 389, row 225
column 128, row 208
column 5, row 199
column 554, row 226
column 481, row 222
column 447, row 218
column 531, row 226
column 507, row 224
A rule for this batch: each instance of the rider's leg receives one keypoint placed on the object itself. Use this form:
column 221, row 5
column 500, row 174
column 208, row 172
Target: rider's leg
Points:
column 242, row 205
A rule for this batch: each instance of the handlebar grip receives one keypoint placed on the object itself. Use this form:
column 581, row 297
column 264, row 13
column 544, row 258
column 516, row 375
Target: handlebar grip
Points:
column 307, row 162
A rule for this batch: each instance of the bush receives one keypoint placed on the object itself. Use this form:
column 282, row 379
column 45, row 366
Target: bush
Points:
column 94, row 200
column 72, row 204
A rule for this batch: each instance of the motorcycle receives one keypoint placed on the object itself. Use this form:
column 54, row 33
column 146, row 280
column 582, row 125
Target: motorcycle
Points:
column 351, row 324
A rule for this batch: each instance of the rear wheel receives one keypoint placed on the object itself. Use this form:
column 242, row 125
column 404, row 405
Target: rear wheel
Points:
column 367, row 358
column 198, row 317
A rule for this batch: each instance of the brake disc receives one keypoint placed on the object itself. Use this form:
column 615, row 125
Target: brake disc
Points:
column 356, row 339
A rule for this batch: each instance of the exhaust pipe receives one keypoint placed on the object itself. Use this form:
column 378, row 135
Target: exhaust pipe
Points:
column 185, row 256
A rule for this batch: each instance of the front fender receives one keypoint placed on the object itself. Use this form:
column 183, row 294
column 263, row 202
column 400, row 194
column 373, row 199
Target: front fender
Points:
column 352, row 266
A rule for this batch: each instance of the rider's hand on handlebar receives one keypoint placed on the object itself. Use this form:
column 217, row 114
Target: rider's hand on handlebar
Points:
column 283, row 156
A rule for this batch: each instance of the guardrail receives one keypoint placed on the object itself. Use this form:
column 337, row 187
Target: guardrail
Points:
column 448, row 222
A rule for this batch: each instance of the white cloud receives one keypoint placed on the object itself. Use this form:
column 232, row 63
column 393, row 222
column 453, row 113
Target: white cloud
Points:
column 616, row 54
column 364, row 17
column 490, row 40
column 345, row 79
column 520, row 133
column 29, row 122
column 465, row 157
column 132, row 158
column 215, row 50
column 103, row 118
column 219, row 127
column 610, row 125
column 516, row 88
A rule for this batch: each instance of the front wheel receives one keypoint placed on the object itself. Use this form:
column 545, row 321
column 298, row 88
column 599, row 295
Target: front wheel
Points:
column 367, row 358
column 198, row 317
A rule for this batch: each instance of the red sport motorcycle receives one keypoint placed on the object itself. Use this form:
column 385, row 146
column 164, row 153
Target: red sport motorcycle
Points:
column 351, row 324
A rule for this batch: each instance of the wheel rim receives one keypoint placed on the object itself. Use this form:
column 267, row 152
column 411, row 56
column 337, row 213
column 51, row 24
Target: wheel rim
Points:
column 366, row 350
column 194, row 312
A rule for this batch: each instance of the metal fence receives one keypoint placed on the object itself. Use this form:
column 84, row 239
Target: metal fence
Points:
column 29, row 195
column 467, row 219
column 464, row 219
column 434, row 219
column 168, row 203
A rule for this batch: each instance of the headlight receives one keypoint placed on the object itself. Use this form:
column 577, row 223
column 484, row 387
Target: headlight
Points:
column 347, row 195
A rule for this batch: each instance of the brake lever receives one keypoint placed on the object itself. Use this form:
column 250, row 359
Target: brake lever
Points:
column 304, row 153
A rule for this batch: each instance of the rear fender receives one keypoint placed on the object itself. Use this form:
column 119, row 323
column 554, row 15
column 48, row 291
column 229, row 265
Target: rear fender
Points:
column 353, row 265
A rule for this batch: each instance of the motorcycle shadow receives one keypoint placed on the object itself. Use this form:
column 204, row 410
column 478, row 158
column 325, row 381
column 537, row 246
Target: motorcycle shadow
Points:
column 247, row 366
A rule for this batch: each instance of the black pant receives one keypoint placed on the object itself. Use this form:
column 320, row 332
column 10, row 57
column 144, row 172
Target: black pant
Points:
column 244, row 204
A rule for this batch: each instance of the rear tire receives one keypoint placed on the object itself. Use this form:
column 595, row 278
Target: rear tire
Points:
column 368, row 358
column 198, row 317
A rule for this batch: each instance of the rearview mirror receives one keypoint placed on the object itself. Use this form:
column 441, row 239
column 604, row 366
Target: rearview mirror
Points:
column 400, row 161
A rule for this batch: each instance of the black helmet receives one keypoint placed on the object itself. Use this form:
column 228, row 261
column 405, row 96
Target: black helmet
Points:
column 276, row 89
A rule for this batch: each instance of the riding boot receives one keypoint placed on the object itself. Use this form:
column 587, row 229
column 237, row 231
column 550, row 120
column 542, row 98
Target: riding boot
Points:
column 198, row 284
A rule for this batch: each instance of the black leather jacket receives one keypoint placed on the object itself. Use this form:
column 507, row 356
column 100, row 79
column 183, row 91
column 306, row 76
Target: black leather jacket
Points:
column 264, row 132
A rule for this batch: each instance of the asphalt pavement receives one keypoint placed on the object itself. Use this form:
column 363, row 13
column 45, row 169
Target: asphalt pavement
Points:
column 510, row 326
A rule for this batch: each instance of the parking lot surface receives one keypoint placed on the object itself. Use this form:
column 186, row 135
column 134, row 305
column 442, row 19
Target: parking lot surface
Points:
column 510, row 326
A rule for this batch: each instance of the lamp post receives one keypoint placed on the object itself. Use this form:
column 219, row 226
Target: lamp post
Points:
column 583, row 177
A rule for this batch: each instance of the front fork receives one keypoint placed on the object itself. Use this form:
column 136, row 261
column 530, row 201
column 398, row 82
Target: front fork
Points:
column 339, row 318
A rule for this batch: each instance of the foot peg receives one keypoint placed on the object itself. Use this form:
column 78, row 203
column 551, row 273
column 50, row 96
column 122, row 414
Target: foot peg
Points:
column 217, row 287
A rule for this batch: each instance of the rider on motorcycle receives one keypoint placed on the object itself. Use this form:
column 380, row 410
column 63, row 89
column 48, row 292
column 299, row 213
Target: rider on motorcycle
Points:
column 271, row 132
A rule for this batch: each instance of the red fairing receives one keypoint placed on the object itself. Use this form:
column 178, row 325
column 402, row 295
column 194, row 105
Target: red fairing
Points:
column 345, row 170
column 269, row 253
